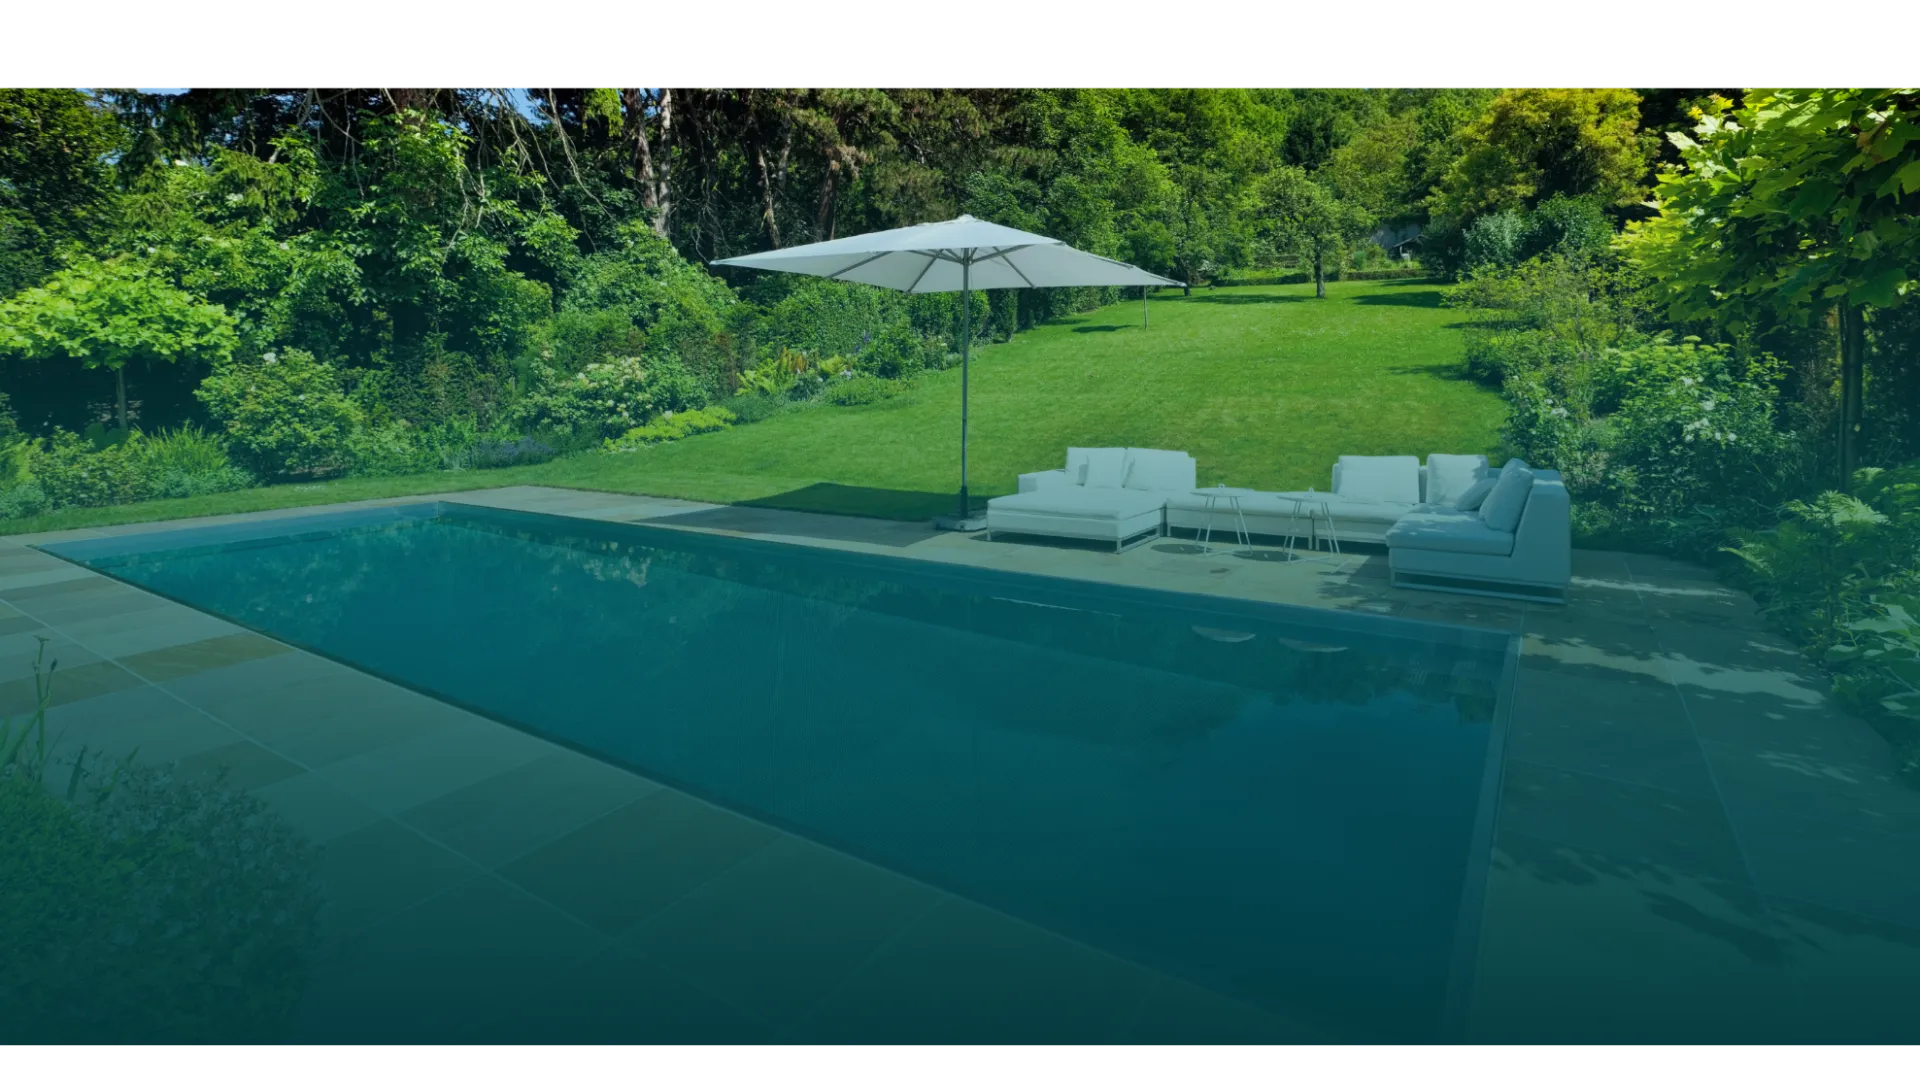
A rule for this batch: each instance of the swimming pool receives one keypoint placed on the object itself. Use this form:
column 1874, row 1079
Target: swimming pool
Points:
column 1287, row 806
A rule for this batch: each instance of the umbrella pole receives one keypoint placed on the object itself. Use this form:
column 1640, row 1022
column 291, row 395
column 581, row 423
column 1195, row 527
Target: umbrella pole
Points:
column 966, row 349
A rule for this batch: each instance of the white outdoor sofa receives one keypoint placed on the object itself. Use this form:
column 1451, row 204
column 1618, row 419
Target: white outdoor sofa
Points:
column 1448, row 525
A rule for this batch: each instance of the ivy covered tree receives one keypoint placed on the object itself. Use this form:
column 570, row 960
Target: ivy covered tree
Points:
column 107, row 314
column 1796, row 204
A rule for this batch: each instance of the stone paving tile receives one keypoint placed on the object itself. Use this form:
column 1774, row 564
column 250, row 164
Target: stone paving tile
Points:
column 243, row 766
column 782, row 928
column 153, row 726
column 616, row 997
column 1688, row 833
column 447, row 969
column 964, row 973
column 379, row 869
column 1857, row 866
column 399, row 776
column 144, row 631
column 69, row 683
column 621, row 868
column 1178, row 1013
column 1631, row 731
column 88, row 585
column 316, row 809
column 1857, row 977
column 510, row 814
column 18, row 649
column 173, row 661
column 1581, row 947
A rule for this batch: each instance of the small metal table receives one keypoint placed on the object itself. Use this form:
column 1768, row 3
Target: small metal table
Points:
column 1231, row 496
column 1317, row 511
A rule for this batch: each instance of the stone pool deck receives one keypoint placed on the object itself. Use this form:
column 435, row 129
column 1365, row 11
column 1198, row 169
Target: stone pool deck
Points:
column 1692, row 843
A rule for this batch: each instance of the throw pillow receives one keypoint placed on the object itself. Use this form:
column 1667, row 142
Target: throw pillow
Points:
column 1380, row 479
column 1471, row 498
column 1106, row 468
column 1507, row 500
column 1448, row 475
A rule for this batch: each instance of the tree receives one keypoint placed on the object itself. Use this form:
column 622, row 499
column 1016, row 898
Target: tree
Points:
column 1797, row 203
column 1306, row 217
column 104, row 314
column 56, row 184
column 1530, row 145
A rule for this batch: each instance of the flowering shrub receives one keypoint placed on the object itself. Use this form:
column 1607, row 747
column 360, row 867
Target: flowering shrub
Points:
column 284, row 413
column 608, row 399
column 671, row 426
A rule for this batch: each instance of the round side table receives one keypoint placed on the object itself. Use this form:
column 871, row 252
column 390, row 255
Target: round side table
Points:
column 1317, row 511
column 1230, row 496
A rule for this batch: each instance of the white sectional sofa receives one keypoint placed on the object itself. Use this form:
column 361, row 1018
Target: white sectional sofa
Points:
column 1115, row 494
column 1449, row 525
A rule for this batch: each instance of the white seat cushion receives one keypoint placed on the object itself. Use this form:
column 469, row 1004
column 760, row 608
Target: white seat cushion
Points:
column 1380, row 479
column 1159, row 470
column 1097, row 504
column 1508, row 499
column 1439, row 529
column 1449, row 475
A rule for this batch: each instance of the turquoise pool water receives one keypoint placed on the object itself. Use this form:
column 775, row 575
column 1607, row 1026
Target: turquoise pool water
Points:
column 1282, row 805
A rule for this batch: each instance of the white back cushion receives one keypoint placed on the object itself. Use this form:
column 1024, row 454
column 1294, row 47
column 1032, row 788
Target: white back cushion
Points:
column 1507, row 500
column 1379, row 479
column 1106, row 468
column 1077, row 462
column 1471, row 498
column 1448, row 475
column 1159, row 470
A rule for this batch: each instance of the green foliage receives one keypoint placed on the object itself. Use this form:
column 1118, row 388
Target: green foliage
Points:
column 862, row 389
column 605, row 400
column 1308, row 219
column 896, row 353
column 141, row 905
column 670, row 426
column 1532, row 144
column 751, row 407
column 1795, row 201
column 284, row 413
column 56, row 181
column 105, row 314
column 1493, row 241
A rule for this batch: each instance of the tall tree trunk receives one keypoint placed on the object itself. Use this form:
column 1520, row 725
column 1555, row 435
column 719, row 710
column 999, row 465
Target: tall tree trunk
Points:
column 651, row 174
column 767, row 220
column 1319, row 275
column 120, row 395
column 1853, row 347
column 824, row 219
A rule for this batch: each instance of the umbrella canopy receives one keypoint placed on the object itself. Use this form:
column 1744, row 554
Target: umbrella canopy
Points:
column 952, row 256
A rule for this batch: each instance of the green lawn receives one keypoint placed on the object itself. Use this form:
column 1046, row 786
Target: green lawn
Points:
column 1264, row 385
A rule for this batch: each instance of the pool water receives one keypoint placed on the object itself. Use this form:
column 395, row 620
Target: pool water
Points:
column 1286, row 806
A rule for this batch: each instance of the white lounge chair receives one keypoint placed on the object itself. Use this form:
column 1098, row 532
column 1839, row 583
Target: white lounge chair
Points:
column 1111, row 494
column 1517, row 543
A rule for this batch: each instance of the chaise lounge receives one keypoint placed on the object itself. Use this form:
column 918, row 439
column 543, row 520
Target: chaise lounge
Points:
column 1113, row 494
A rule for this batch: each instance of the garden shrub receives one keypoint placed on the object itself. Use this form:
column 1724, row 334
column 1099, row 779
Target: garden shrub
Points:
column 282, row 414
column 606, row 400
column 142, row 905
column 860, row 389
column 1494, row 241
column 389, row 449
column 751, row 408
column 896, row 353
column 671, row 426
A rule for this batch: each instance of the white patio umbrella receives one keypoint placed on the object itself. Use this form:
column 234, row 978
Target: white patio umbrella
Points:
column 952, row 256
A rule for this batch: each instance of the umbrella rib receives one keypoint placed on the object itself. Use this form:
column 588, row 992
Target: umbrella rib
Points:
column 931, row 259
column 848, row 270
column 1002, row 256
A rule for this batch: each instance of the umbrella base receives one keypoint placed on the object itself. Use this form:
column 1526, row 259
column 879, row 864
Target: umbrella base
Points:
column 956, row 523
